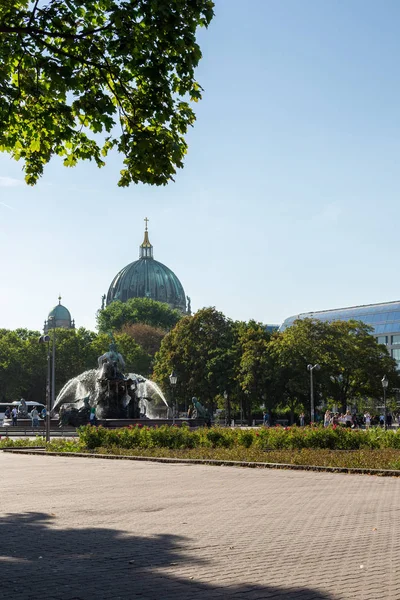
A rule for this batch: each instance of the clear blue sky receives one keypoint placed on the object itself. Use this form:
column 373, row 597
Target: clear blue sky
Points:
column 289, row 199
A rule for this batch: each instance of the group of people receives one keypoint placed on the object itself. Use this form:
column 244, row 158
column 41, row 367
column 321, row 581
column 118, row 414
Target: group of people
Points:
column 355, row 421
column 34, row 415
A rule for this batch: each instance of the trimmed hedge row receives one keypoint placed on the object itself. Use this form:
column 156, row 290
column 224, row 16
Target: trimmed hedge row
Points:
column 275, row 438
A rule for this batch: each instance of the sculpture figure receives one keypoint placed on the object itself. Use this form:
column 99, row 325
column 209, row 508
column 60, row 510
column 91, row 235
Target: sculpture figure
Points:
column 199, row 411
column 22, row 409
column 111, row 364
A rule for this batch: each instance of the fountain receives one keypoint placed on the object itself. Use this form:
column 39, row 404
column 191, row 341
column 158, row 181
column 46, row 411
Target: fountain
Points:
column 115, row 396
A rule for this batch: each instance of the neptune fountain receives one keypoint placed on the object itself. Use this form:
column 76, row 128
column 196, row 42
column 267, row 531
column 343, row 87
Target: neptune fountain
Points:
column 113, row 394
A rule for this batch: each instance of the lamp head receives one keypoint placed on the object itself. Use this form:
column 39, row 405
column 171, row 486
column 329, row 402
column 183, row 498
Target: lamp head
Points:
column 43, row 339
column 173, row 378
column 385, row 382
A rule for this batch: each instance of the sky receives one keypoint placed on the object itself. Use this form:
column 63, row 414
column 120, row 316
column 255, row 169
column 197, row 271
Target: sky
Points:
column 289, row 198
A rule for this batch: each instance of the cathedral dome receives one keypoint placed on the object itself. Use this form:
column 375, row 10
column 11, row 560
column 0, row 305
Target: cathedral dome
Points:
column 147, row 278
column 59, row 316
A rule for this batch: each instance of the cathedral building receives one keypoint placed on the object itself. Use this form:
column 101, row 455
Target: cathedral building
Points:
column 148, row 278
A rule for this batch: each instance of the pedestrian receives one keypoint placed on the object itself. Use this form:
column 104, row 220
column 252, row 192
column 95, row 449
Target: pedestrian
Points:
column 327, row 418
column 266, row 419
column 14, row 415
column 43, row 413
column 92, row 417
column 367, row 419
column 301, row 419
column 389, row 420
column 35, row 417
column 381, row 420
column 7, row 413
column 348, row 420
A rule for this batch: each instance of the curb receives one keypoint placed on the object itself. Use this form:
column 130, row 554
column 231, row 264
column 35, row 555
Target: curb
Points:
column 212, row 462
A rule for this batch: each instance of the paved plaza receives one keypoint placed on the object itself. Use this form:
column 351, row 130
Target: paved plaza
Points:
column 77, row 528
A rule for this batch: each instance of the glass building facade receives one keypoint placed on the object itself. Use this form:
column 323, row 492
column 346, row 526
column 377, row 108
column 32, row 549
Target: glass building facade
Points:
column 384, row 318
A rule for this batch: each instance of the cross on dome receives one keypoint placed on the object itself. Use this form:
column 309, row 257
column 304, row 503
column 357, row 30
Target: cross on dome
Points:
column 146, row 249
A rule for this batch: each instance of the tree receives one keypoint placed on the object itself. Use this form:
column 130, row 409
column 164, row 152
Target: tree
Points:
column 352, row 362
column 123, row 68
column 137, row 310
column 200, row 350
column 22, row 365
column 357, row 364
column 148, row 337
column 252, row 370
column 74, row 353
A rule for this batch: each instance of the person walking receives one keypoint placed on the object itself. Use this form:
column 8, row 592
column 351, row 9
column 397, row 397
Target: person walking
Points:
column 302, row 419
column 35, row 417
column 266, row 419
column 92, row 417
column 367, row 419
column 327, row 418
column 14, row 415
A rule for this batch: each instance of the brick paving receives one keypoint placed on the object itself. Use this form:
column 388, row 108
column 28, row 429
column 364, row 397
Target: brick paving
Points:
column 74, row 528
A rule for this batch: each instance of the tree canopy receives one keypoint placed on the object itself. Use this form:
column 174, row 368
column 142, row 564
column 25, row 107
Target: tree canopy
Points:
column 212, row 354
column 137, row 310
column 352, row 362
column 73, row 69
column 200, row 350
column 23, row 360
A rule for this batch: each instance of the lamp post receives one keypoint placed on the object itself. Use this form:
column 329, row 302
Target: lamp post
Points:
column 227, row 411
column 45, row 339
column 173, row 379
column 311, row 369
column 385, row 383
column 53, row 363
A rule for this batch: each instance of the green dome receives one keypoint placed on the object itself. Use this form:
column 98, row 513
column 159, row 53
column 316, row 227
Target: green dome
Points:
column 59, row 316
column 147, row 278
column 60, row 313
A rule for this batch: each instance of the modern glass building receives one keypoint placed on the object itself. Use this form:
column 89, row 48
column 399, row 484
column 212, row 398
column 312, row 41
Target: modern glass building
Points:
column 384, row 318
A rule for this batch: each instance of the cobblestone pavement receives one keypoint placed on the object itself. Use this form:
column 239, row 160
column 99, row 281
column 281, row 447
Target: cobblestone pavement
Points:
column 73, row 528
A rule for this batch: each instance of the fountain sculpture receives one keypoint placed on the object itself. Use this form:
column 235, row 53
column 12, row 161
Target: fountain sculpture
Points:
column 113, row 394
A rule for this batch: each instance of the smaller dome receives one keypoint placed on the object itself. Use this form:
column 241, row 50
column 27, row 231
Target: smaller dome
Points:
column 59, row 316
column 60, row 313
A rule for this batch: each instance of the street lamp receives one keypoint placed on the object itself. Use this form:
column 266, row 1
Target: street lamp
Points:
column 45, row 339
column 311, row 369
column 53, row 362
column 227, row 411
column 385, row 383
column 173, row 379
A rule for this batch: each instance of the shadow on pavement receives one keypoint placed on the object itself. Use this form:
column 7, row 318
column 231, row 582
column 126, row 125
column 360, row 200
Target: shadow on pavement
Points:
column 40, row 560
